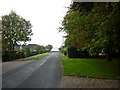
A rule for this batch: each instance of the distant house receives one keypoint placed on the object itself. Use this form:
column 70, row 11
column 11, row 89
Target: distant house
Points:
column 31, row 46
column 16, row 48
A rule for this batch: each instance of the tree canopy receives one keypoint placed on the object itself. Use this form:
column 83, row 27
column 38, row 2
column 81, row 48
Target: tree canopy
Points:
column 93, row 27
column 49, row 47
column 15, row 29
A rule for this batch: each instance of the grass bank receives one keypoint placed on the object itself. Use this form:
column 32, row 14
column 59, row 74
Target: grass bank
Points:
column 34, row 58
column 89, row 67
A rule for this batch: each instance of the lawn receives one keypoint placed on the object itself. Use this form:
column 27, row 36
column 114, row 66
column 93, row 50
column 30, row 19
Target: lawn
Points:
column 89, row 67
column 35, row 58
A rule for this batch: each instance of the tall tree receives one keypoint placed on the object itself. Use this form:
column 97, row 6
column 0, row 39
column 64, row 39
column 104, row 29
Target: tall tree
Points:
column 15, row 29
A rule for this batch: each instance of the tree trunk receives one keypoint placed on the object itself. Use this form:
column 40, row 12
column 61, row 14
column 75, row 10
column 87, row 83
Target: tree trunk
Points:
column 13, row 48
column 108, row 57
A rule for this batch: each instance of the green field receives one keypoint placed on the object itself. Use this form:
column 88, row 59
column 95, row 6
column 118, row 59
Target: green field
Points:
column 34, row 58
column 89, row 67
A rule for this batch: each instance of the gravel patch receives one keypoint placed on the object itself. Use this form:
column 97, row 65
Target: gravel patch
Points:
column 83, row 82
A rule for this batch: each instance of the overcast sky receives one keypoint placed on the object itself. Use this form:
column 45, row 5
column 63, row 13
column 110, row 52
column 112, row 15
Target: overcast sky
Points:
column 44, row 15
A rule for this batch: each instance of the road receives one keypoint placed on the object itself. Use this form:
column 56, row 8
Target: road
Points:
column 42, row 73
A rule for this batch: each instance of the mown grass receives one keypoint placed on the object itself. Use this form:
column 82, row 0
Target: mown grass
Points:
column 89, row 67
column 34, row 58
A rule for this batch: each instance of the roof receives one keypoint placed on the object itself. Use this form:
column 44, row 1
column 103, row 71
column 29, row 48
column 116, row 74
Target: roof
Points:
column 32, row 44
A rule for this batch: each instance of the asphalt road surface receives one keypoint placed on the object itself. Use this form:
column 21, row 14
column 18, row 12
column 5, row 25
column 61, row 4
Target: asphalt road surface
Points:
column 42, row 73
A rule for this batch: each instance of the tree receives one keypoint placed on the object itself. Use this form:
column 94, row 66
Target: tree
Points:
column 49, row 47
column 93, row 26
column 15, row 29
column 27, row 51
column 37, row 48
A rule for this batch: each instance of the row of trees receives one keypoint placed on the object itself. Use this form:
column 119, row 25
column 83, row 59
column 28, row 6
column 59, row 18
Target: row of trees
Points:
column 27, row 51
column 43, row 49
column 93, row 27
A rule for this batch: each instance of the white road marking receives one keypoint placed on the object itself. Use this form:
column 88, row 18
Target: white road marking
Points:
column 43, row 62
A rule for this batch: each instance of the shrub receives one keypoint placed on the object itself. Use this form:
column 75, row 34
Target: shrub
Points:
column 8, row 56
column 72, row 52
column 20, row 54
column 27, row 54
column 83, row 54
column 65, row 53
column 33, row 53
column 77, row 53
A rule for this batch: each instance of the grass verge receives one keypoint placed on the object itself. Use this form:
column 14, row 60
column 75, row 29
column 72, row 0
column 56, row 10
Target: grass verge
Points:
column 34, row 58
column 89, row 67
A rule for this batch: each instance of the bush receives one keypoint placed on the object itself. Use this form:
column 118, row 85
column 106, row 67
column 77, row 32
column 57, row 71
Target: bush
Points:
column 83, row 54
column 74, row 53
column 33, row 53
column 65, row 53
column 27, row 54
column 64, row 50
column 8, row 56
column 20, row 54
